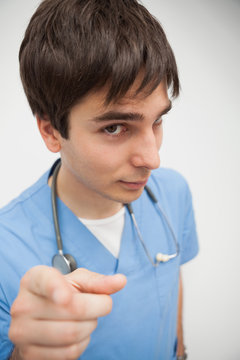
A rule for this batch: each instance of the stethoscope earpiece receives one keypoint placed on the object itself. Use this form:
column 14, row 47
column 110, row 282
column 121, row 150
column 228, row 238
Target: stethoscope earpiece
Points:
column 164, row 257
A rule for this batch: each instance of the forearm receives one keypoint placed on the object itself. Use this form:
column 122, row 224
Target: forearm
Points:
column 181, row 347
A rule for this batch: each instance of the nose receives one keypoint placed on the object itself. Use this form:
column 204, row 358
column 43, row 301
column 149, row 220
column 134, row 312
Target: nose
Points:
column 146, row 151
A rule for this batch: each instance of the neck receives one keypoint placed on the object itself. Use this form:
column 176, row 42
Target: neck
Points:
column 83, row 202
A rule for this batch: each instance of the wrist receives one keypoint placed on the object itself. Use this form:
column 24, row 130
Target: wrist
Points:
column 181, row 352
column 182, row 357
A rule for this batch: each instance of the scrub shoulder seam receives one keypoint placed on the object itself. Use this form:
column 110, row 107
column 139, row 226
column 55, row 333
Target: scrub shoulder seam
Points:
column 25, row 196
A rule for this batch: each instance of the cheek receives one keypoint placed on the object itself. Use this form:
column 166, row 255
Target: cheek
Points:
column 108, row 159
column 100, row 157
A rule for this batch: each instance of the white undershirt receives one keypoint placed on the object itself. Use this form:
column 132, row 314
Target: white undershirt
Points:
column 108, row 230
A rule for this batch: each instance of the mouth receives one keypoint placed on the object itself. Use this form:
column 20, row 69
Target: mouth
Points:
column 134, row 185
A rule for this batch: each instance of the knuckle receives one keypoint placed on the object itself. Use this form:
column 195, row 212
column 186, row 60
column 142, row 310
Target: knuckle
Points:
column 70, row 333
column 20, row 306
column 50, row 285
column 94, row 324
column 25, row 353
column 12, row 334
column 75, row 306
column 24, row 280
column 15, row 308
column 16, row 333
column 82, row 308
column 108, row 304
column 74, row 351
column 84, row 344
column 86, row 328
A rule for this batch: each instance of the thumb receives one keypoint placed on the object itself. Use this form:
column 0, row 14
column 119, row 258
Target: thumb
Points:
column 90, row 282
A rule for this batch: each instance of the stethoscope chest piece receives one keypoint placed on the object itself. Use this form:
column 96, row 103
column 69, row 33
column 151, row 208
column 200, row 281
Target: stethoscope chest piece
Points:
column 64, row 263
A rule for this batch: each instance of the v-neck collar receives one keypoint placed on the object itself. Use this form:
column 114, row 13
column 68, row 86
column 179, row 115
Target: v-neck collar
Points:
column 87, row 249
column 91, row 253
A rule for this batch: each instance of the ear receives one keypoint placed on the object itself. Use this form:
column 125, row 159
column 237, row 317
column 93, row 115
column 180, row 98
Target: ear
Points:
column 50, row 135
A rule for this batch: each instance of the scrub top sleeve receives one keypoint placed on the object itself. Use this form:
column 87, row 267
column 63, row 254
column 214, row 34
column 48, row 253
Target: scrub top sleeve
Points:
column 189, row 243
column 6, row 346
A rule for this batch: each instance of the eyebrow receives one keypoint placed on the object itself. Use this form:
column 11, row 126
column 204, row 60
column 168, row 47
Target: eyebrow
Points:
column 129, row 116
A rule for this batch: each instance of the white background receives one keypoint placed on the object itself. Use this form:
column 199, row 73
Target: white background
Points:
column 201, row 141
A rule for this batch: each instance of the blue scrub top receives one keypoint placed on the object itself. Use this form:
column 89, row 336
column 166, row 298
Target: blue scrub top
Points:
column 142, row 324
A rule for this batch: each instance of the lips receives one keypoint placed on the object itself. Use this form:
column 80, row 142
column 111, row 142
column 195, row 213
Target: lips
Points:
column 137, row 182
column 135, row 185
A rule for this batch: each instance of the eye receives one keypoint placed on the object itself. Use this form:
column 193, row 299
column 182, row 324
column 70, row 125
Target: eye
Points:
column 158, row 122
column 115, row 129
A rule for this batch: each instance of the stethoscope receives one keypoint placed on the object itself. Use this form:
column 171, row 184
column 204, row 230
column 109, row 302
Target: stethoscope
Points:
column 66, row 263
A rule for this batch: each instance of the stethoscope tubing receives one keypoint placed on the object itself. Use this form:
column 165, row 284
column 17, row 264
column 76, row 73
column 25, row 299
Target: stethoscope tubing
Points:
column 55, row 209
column 159, row 257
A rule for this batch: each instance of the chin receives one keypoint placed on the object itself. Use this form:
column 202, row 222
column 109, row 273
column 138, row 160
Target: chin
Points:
column 126, row 197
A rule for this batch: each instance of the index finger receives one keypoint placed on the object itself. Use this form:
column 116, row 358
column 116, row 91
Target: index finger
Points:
column 47, row 282
column 90, row 282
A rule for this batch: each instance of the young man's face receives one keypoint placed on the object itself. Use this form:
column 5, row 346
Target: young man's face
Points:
column 111, row 150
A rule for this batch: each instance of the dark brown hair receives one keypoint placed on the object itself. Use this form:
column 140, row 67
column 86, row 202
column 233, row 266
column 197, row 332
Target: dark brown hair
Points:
column 74, row 46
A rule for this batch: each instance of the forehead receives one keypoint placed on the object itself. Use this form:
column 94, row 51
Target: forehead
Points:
column 94, row 103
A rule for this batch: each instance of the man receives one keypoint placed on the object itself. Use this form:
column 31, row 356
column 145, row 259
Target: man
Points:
column 96, row 74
